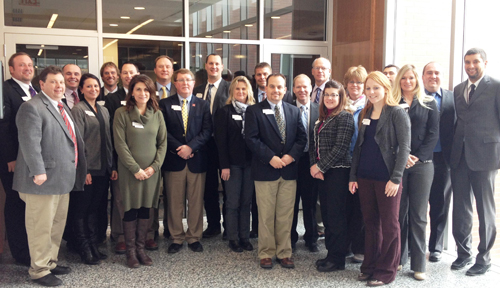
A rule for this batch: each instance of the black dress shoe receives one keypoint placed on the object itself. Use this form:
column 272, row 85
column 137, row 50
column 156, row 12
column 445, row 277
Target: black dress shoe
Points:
column 460, row 263
column 233, row 244
column 435, row 256
column 60, row 270
column 166, row 233
column 478, row 269
column 211, row 232
column 320, row 262
column 196, row 246
column 313, row 247
column 254, row 234
column 174, row 248
column 49, row 280
column 329, row 267
column 246, row 245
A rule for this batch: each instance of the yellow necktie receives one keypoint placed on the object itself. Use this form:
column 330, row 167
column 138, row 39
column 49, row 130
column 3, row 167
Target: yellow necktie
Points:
column 165, row 94
column 184, row 114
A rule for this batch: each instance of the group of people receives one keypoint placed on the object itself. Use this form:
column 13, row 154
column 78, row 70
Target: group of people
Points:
column 375, row 149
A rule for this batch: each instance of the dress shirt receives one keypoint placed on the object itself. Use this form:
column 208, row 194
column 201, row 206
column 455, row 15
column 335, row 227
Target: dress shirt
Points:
column 280, row 107
column 188, row 103
column 260, row 95
column 70, row 99
column 55, row 104
column 160, row 91
column 212, row 93
column 314, row 92
column 467, row 91
column 25, row 87
column 106, row 91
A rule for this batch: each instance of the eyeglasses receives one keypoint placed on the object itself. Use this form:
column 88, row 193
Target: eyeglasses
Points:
column 184, row 80
column 333, row 95
column 352, row 83
column 320, row 68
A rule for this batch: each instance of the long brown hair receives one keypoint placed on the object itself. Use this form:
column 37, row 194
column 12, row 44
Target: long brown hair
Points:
column 323, row 111
column 152, row 102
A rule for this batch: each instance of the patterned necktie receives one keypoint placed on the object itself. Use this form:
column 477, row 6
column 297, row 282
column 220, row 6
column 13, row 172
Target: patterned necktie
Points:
column 281, row 123
column 305, row 120
column 75, row 97
column 165, row 94
column 32, row 91
column 184, row 113
column 263, row 96
column 73, row 137
column 472, row 90
column 209, row 93
column 318, row 95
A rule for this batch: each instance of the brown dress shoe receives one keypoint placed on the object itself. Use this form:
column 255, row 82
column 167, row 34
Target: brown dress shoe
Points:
column 286, row 262
column 120, row 248
column 151, row 245
column 266, row 263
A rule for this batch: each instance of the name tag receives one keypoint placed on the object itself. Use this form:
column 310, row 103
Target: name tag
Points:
column 176, row 107
column 268, row 111
column 137, row 125
column 123, row 102
column 366, row 121
column 26, row 98
column 157, row 93
column 199, row 95
column 101, row 102
column 405, row 106
column 90, row 113
column 237, row 117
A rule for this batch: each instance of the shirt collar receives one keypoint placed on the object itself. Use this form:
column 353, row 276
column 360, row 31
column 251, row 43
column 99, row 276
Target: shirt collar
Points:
column 438, row 92
column 308, row 105
column 23, row 85
column 69, row 92
column 216, row 84
column 52, row 101
column 322, row 86
column 159, row 86
column 188, row 98
column 477, row 82
column 273, row 105
column 106, row 91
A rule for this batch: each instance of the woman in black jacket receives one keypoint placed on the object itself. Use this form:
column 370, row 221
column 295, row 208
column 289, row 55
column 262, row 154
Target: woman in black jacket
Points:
column 235, row 163
column 330, row 161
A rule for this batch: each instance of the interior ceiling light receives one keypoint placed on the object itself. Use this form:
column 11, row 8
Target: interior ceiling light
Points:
column 113, row 25
column 275, row 17
column 139, row 8
column 208, row 36
column 40, row 52
column 226, row 31
column 139, row 26
column 248, row 25
column 125, row 17
column 52, row 20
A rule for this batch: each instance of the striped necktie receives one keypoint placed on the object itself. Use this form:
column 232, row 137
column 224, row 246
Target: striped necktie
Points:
column 305, row 120
column 318, row 95
column 71, row 132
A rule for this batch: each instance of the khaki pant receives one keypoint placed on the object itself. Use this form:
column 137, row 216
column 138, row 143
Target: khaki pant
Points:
column 181, row 185
column 275, row 203
column 45, row 222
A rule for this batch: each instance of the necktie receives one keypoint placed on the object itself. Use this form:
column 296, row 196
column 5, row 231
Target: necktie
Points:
column 472, row 90
column 165, row 94
column 281, row 123
column 263, row 96
column 305, row 120
column 209, row 93
column 318, row 95
column 73, row 137
column 32, row 91
column 75, row 97
column 184, row 113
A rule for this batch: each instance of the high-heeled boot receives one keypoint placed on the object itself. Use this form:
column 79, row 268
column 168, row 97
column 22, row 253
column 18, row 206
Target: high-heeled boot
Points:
column 129, row 228
column 93, row 231
column 83, row 243
column 142, row 231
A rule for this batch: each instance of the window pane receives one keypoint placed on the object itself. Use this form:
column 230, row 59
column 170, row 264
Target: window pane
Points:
column 235, row 57
column 292, row 65
column 295, row 20
column 227, row 19
column 68, row 14
column 148, row 17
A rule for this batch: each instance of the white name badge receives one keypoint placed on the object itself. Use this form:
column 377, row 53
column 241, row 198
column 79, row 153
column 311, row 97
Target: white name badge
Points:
column 90, row 113
column 268, row 111
column 366, row 121
column 237, row 117
column 157, row 93
column 26, row 98
column 176, row 107
column 101, row 102
column 137, row 125
column 199, row 95
column 123, row 102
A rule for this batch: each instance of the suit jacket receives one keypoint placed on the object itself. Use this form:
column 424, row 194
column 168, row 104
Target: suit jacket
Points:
column 199, row 131
column 12, row 95
column 114, row 101
column 220, row 97
column 46, row 147
column 263, row 137
column 477, row 129
column 288, row 98
column 313, row 117
column 446, row 122
column 173, row 90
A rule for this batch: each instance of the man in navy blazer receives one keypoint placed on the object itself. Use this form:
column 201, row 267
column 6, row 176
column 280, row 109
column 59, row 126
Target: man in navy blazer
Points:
column 275, row 134
column 440, row 195
column 16, row 91
column 474, row 161
column 189, row 127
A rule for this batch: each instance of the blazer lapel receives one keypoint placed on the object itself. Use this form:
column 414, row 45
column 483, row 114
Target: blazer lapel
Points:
column 192, row 111
column 287, row 110
column 480, row 89
column 382, row 119
column 175, row 101
column 57, row 115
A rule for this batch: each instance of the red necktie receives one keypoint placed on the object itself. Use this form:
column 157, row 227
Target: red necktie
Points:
column 75, row 97
column 73, row 137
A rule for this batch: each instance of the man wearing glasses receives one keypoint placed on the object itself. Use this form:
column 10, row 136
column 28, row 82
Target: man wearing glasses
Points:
column 321, row 71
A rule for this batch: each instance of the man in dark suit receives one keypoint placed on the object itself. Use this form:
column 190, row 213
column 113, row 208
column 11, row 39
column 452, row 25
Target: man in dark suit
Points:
column 215, row 92
column 109, row 75
column 440, row 195
column 275, row 134
column 474, row 161
column 306, row 184
column 16, row 91
column 261, row 72
column 50, row 164
column 72, row 74
column 112, row 103
column 321, row 71
column 189, row 128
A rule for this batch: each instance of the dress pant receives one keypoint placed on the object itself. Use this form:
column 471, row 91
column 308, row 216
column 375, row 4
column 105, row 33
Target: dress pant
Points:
column 382, row 234
column 480, row 184
column 355, row 225
column 239, row 191
column 417, row 182
column 439, row 202
column 182, row 185
column 102, row 212
column 211, row 196
column 116, row 211
column 307, row 189
column 275, row 201
column 45, row 221
column 333, row 192
column 2, row 218
column 15, row 220
column 255, row 214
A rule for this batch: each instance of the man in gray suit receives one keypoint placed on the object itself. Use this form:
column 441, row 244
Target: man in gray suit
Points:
column 475, row 155
column 50, row 164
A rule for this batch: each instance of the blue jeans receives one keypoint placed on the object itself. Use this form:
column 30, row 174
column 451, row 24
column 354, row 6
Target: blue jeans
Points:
column 239, row 191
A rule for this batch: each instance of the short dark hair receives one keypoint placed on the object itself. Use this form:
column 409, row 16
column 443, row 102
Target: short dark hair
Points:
column 135, row 65
column 152, row 102
column 323, row 111
column 165, row 56
column 474, row 51
column 49, row 70
column 262, row 65
column 109, row 64
column 275, row 75
column 11, row 59
column 391, row 66
column 87, row 76
column 212, row 54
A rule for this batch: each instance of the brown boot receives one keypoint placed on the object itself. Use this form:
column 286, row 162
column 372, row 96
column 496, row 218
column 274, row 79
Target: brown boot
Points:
column 129, row 228
column 142, row 231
